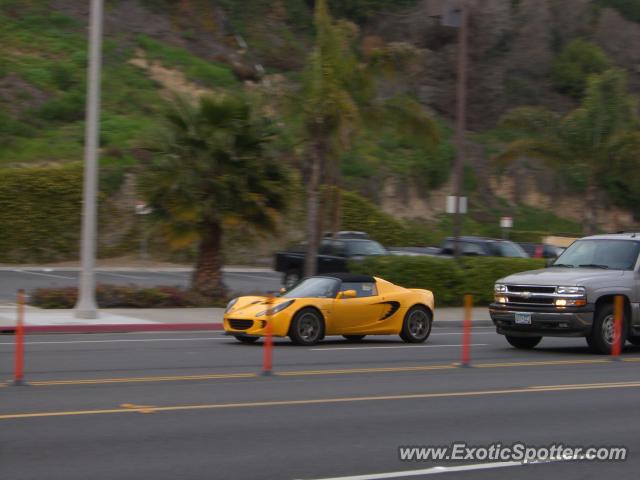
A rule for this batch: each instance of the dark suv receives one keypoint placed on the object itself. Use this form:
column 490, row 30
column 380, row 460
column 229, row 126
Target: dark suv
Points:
column 333, row 256
column 483, row 247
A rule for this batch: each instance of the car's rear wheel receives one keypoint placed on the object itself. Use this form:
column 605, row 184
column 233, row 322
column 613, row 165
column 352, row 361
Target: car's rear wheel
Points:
column 246, row 338
column 602, row 333
column 523, row 343
column 417, row 325
column 307, row 327
column 354, row 338
column 291, row 279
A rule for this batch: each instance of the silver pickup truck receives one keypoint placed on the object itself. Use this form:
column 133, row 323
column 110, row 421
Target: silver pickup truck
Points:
column 574, row 296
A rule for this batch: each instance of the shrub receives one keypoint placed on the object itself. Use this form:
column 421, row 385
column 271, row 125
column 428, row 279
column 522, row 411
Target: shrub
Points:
column 40, row 213
column 575, row 64
column 447, row 279
column 119, row 296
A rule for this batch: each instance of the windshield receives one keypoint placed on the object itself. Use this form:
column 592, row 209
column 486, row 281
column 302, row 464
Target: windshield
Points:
column 316, row 287
column 364, row 248
column 510, row 249
column 613, row 254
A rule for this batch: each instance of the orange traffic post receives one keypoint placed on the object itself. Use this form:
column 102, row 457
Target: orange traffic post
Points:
column 618, row 315
column 267, row 363
column 466, row 331
column 18, row 377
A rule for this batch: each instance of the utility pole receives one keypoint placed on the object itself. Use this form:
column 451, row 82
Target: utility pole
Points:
column 461, row 122
column 86, row 306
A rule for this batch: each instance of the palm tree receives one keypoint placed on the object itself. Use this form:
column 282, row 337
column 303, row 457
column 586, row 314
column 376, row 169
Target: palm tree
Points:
column 214, row 169
column 602, row 131
column 339, row 95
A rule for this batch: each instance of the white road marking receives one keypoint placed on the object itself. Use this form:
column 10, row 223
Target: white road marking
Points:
column 44, row 274
column 398, row 346
column 125, row 340
column 431, row 471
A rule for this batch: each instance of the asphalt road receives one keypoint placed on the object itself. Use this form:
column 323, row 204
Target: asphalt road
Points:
column 239, row 282
column 193, row 406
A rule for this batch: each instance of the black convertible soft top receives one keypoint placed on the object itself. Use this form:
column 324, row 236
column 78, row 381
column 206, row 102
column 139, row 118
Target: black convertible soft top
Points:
column 350, row 277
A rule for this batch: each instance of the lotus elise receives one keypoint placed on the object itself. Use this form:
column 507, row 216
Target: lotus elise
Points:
column 334, row 304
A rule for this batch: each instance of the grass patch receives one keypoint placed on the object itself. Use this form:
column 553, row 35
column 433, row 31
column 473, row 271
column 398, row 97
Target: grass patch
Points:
column 210, row 74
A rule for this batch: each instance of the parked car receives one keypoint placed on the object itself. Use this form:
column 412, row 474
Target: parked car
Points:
column 484, row 247
column 334, row 304
column 574, row 296
column 333, row 256
column 541, row 250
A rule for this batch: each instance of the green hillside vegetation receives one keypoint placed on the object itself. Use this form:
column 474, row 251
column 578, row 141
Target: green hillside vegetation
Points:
column 43, row 64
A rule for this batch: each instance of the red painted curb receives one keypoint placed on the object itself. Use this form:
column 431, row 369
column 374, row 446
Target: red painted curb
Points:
column 102, row 328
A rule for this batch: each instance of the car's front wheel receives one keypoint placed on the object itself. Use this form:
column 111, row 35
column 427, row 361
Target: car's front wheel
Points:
column 417, row 325
column 246, row 338
column 307, row 327
column 523, row 343
column 602, row 333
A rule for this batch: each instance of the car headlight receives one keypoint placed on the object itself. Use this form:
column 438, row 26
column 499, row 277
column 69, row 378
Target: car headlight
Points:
column 230, row 305
column 500, row 288
column 277, row 309
column 570, row 290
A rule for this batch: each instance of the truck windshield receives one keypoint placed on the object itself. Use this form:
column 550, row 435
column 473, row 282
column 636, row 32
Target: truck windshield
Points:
column 364, row 248
column 315, row 287
column 604, row 254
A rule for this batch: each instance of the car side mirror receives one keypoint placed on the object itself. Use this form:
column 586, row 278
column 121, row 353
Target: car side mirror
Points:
column 283, row 291
column 549, row 261
column 347, row 294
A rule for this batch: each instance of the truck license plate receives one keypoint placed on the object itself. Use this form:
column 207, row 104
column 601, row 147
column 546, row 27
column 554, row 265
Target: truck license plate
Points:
column 523, row 318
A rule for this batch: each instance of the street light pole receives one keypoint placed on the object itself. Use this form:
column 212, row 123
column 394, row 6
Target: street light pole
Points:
column 461, row 124
column 86, row 306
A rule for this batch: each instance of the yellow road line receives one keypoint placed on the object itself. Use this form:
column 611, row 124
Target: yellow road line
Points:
column 303, row 373
column 323, row 401
column 93, row 381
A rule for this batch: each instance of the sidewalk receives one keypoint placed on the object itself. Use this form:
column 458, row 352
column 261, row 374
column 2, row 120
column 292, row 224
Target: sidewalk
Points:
column 180, row 318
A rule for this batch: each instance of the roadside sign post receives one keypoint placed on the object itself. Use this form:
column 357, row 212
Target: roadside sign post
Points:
column 18, row 378
column 142, row 209
column 506, row 223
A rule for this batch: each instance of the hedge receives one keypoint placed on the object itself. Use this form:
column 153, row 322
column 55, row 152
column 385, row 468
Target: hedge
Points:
column 448, row 279
column 40, row 211
column 124, row 296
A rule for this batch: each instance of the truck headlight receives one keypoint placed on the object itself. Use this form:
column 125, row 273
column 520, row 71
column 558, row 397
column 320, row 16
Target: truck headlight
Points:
column 570, row 290
column 570, row 302
column 278, row 308
column 500, row 288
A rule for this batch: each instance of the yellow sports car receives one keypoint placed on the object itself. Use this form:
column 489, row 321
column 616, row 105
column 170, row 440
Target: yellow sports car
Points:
column 334, row 304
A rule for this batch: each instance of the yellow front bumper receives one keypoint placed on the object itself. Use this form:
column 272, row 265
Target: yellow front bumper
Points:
column 238, row 324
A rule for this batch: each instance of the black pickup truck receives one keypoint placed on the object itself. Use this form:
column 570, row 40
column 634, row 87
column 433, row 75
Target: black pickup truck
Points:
column 333, row 255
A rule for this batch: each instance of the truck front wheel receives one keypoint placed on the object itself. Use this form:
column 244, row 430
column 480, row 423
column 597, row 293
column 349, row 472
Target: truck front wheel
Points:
column 523, row 343
column 601, row 337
